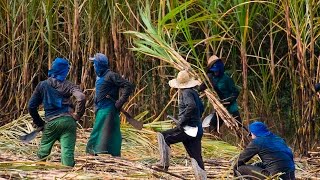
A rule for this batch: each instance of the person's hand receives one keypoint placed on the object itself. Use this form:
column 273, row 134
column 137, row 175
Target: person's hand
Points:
column 178, row 125
column 202, row 87
column 118, row 104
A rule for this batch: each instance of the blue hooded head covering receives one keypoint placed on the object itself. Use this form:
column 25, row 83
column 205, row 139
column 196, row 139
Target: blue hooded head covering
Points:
column 259, row 129
column 218, row 67
column 59, row 69
column 100, row 63
column 317, row 87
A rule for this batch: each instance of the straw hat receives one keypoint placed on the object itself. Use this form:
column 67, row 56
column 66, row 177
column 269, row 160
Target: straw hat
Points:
column 212, row 60
column 183, row 81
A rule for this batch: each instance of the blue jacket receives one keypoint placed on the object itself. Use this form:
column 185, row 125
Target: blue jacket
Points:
column 276, row 156
column 226, row 90
column 55, row 97
column 223, row 85
column 109, row 84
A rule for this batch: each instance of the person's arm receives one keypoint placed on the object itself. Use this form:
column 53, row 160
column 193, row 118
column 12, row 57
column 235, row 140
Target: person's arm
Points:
column 80, row 101
column 203, row 86
column 233, row 89
column 251, row 150
column 34, row 103
column 190, row 107
column 125, row 85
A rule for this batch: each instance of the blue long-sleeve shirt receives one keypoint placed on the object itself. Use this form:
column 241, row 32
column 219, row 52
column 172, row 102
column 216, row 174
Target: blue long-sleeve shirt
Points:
column 110, row 84
column 55, row 97
column 276, row 156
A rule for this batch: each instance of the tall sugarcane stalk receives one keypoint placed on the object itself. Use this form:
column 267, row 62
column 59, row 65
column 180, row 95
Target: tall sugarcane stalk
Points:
column 153, row 44
column 276, row 73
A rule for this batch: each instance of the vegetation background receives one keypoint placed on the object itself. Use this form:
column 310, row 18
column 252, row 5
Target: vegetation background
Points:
column 270, row 48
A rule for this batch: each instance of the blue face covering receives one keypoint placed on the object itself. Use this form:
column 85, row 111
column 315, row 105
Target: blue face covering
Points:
column 259, row 129
column 217, row 67
column 317, row 87
column 101, row 64
column 59, row 69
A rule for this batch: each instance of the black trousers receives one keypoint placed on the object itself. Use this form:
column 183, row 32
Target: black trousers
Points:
column 257, row 171
column 217, row 120
column 191, row 144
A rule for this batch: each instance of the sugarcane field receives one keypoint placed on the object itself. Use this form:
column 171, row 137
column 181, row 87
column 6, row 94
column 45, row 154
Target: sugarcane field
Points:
column 161, row 89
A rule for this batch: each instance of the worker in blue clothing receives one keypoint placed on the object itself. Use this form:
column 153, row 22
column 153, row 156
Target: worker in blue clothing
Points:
column 317, row 89
column 276, row 156
column 105, row 137
column 225, row 88
column 60, row 118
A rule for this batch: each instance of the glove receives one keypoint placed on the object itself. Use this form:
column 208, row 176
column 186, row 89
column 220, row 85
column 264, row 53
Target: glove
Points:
column 202, row 87
column 119, row 104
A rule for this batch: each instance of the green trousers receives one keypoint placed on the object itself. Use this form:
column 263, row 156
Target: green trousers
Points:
column 105, row 137
column 62, row 129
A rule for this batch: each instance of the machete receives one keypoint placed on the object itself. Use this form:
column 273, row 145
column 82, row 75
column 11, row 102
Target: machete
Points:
column 135, row 123
column 176, row 121
column 29, row 137
column 172, row 118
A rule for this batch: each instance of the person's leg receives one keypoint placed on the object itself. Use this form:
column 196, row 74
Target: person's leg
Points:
column 94, row 138
column 193, row 147
column 49, row 135
column 110, row 138
column 164, row 152
column 175, row 135
column 68, row 141
column 252, row 172
column 194, row 150
column 165, row 139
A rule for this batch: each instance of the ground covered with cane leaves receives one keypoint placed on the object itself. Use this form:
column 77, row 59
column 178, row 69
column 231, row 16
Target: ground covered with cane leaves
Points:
column 19, row 161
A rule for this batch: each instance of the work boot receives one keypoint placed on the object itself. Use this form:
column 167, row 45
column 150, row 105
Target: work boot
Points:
column 164, row 150
column 199, row 173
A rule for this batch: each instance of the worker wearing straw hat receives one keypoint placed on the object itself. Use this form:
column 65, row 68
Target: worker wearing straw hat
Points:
column 276, row 156
column 55, row 93
column 189, row 129
column 105, row 137
column 224, row 87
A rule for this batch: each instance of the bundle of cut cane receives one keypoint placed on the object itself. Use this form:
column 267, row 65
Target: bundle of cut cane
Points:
column 152, row 42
